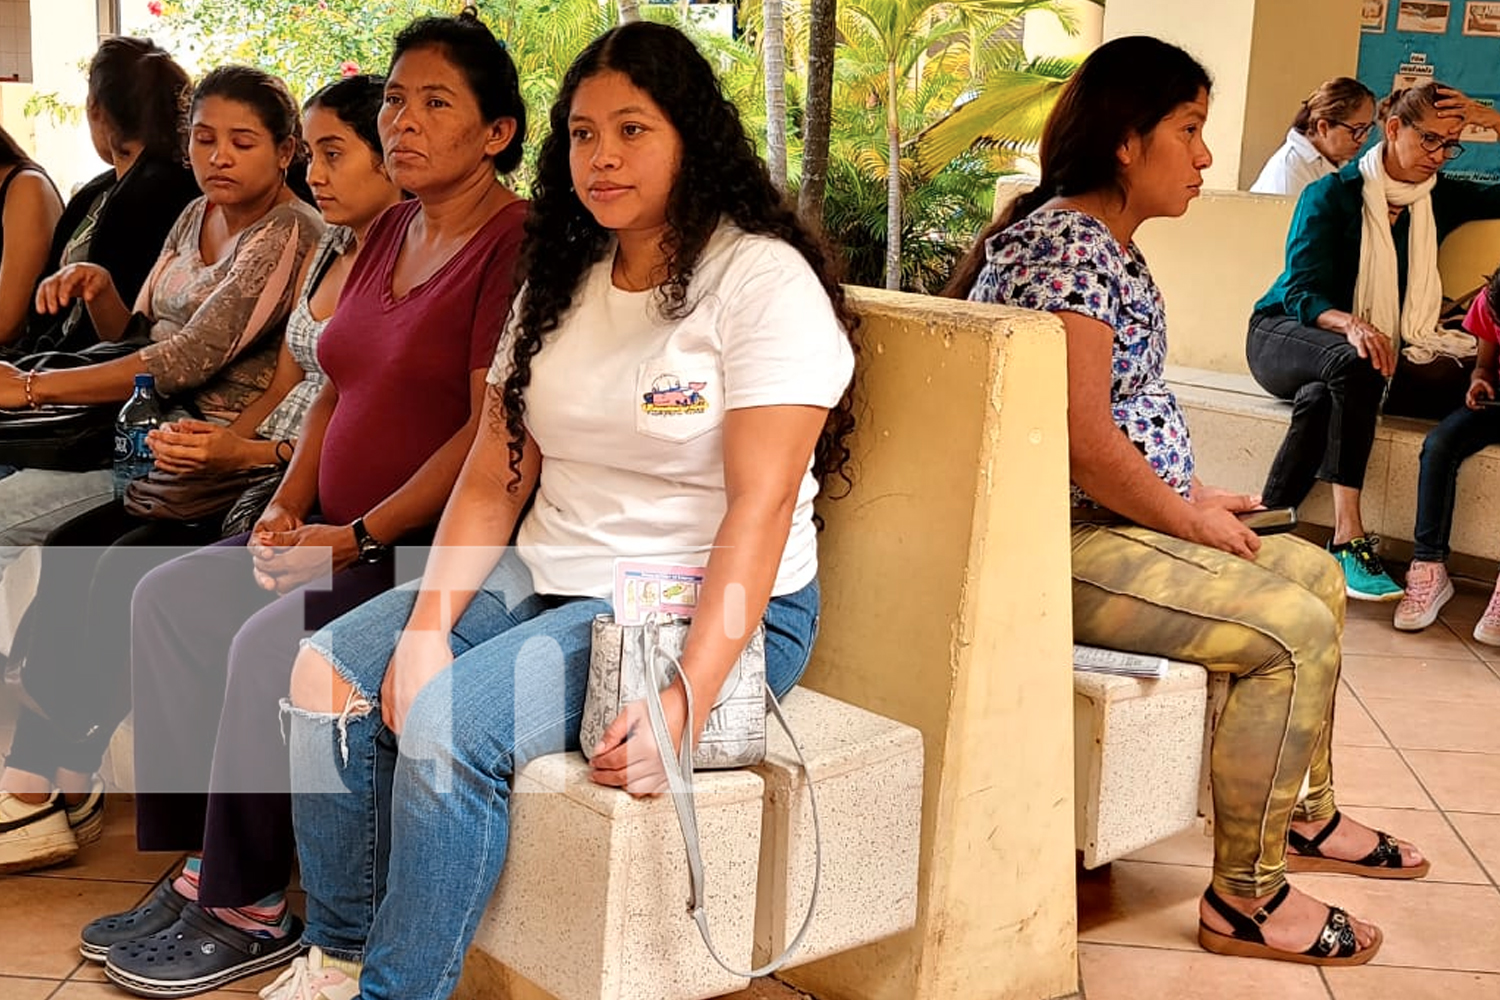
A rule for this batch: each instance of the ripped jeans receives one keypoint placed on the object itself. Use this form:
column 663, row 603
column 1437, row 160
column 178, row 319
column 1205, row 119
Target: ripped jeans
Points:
column 401, row 842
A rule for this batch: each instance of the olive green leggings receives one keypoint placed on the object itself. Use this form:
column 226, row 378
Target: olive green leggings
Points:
column 1276, row 625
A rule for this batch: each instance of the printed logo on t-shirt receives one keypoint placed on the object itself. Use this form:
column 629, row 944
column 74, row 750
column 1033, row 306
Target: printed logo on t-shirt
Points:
column 671, row 397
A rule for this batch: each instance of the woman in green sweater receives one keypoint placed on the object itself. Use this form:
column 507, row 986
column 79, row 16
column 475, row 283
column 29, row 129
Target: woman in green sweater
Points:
column 1355, row 313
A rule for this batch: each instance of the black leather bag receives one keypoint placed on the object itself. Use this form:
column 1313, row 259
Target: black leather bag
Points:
column 63, row 436
column 251, row 504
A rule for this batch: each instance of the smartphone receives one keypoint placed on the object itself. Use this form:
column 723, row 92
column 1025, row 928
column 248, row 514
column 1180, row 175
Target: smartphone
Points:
column 1269, row 522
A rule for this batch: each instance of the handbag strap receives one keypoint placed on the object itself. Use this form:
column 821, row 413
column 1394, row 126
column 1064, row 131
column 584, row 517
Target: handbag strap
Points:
column 680, row 786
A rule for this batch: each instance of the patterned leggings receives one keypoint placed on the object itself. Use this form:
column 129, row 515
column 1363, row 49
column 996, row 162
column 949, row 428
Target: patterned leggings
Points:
column 1276, row 625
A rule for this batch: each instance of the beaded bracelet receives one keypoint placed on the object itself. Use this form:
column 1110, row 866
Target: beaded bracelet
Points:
column 31, row 403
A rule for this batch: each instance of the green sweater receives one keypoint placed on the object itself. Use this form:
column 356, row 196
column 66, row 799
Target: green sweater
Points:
column 1322, row 248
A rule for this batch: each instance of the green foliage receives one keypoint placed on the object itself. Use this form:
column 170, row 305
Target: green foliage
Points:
column 939, row 219
column 965, row 91
column 51, row 107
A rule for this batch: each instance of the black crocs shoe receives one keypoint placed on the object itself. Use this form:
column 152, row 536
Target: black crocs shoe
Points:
column 196, row 954
column 157, row 913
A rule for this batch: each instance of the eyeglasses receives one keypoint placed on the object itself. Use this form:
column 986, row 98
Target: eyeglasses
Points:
column 1356, row 132
column 1432, row 142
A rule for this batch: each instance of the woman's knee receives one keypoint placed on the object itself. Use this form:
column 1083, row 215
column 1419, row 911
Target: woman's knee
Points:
column 1350, row 375
column 316, row 686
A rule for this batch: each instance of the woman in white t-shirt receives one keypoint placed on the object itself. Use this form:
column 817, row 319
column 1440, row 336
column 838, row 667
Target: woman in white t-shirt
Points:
column 1328, row 132
column 673, row 384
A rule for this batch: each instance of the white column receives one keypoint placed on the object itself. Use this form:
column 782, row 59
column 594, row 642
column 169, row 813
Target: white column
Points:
column 64, row 35
column 1043, row 33
column 1264, row 57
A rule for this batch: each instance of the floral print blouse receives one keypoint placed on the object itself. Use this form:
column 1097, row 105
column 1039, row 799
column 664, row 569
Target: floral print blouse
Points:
column 1061, row 260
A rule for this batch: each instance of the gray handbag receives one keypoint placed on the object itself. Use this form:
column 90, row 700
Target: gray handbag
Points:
column 635, row 662
column 735, row 734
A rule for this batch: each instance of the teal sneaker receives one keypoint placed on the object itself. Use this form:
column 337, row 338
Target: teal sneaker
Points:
column 1365, row 578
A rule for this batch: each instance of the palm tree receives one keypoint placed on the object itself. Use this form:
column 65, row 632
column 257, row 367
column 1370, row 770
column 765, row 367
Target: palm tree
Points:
column 905, row 37
column 1007, row 115
column 822, row 38
column 773, row 50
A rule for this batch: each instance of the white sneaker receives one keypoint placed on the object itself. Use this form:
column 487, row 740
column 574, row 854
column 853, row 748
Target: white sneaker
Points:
column 87, row 817
column 312, row 978
column 34, row 835
column 1427, row 590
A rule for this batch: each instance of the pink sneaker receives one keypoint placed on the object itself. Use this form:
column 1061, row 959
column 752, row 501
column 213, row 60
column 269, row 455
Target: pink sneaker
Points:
column 1487, row 629
column 1427, row 590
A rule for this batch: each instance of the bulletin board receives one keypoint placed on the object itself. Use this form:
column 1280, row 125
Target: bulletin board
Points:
column 1407, row 42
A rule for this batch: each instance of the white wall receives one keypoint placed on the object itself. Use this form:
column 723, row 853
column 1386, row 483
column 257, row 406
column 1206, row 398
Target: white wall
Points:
column 64, row 35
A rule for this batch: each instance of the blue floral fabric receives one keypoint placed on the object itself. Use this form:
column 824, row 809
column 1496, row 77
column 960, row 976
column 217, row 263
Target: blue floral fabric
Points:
column 1060, row 260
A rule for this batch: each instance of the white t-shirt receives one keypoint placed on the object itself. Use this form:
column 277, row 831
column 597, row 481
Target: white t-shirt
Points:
column 627, row 408
column 1292, row 167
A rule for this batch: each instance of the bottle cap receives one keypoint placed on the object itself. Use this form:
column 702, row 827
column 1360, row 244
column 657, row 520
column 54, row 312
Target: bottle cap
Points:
column 145, row 380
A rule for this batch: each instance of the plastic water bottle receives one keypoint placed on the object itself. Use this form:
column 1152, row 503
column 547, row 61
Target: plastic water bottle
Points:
column 140, row 414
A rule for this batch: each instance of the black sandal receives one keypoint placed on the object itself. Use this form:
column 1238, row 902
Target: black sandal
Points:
column 196, row 954
column 1383, row 862
column 160, row 911
column 1336, row 943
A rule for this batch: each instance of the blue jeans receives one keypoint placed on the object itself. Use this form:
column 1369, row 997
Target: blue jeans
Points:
column 1461, row 434
column 402, row 841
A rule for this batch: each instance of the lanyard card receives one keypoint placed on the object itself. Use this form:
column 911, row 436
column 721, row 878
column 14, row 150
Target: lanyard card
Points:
column 644, row 587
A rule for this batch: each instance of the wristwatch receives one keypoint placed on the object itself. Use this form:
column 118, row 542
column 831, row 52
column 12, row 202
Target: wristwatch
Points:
column 370, row 550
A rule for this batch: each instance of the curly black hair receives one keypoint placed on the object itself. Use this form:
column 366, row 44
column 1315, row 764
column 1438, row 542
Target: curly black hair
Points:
column 720, row 176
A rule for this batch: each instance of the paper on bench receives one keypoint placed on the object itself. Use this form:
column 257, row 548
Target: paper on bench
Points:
column 1113, row 661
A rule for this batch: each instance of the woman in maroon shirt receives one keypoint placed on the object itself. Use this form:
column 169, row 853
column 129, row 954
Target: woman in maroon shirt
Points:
column 214, row 633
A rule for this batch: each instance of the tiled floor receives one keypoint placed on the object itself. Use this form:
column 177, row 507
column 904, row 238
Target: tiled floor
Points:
column 1418, row 753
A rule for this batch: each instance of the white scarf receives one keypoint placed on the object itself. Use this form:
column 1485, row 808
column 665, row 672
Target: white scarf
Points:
column 1412, row 325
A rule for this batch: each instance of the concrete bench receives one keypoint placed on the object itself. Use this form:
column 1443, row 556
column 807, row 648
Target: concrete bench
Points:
column 1237, row 428
column 1141, row 748
column 591, row 903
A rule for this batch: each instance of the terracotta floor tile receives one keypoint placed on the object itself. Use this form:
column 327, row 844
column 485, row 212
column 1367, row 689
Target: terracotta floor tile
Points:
column 1429, row 831
column 40, row 919
column 1427, row 925
column 1460, row 782
column 1376, row 636
column 12, row 988
column 1464, row 681
column 92, row 991
column 114, row 856
column 1469, row 600
column 1352, row 725
column 1482, row 833
column 1373, row 982
column 1373, row 776
column 89, row 972
column 1119, row 973
column 1413, row 723
column 1141, row 904
column 1190, row 847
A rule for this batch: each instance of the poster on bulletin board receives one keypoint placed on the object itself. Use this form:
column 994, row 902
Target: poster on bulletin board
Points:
column 1408, row 42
